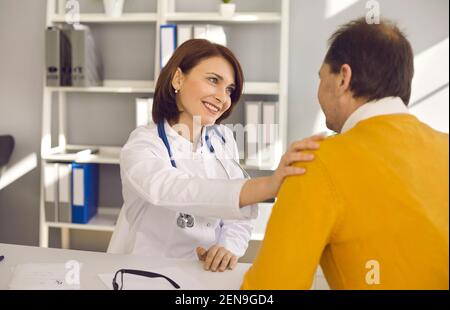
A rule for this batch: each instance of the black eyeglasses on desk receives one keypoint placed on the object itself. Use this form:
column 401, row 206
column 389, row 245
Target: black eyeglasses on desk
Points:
column 143, row 273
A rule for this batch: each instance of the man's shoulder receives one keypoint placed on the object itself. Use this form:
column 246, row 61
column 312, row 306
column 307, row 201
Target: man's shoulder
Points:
column 334, row 144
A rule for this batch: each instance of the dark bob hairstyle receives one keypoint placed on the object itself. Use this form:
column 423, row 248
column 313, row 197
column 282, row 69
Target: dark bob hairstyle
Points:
column 186, row 57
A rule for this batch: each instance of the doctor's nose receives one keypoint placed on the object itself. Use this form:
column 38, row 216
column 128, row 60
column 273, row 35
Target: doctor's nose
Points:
column 221, row 95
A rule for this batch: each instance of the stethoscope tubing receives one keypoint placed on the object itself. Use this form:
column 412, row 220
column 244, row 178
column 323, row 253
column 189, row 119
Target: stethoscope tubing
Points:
column 186, row 220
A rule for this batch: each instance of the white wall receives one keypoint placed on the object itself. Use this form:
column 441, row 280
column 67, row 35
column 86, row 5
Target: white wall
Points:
column 426, row 24
column 312, row 22
column 21, row 72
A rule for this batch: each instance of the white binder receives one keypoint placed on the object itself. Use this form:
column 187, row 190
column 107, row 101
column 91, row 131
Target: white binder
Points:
column 78, row 187
column 253, row 118
column 213, row 33
column 86, row 63
column 144, row 111
column 64, row 193
column 184, row 33
column 269, row 133
column 51, row 191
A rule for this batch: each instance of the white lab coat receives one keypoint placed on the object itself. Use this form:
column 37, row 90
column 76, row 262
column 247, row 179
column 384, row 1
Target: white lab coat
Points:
column 155, row 193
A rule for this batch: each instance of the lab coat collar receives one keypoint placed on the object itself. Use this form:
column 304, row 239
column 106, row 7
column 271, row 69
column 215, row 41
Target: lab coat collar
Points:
column 384, row 106
column 179, row 141
column 170, row 132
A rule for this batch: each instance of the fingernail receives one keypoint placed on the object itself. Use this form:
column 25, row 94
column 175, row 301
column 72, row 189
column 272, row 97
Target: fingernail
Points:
column 310, row 156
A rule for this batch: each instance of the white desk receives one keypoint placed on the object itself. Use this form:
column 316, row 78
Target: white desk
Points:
column 95, row 263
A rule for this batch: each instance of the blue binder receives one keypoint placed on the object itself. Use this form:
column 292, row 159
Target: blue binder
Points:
column 85, row 179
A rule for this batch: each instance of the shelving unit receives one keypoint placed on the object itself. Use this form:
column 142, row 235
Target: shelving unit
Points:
column 148, row 87
column 111, row 86
column 105, row 219
column 105, row 155
column 101, row 18
column 216, row 17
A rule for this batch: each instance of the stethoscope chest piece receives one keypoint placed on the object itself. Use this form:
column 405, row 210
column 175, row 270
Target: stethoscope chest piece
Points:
column 185, row 220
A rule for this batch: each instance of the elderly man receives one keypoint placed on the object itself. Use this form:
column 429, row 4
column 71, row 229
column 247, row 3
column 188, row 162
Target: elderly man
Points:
column 372, row 209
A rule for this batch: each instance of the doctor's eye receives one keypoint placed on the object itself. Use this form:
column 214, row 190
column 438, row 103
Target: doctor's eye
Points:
column 213, row 80
column 230, row 90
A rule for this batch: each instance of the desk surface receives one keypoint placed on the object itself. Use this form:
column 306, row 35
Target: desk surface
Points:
column 95, row 263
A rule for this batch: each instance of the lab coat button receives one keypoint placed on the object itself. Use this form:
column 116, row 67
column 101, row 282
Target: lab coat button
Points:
column 208, row 224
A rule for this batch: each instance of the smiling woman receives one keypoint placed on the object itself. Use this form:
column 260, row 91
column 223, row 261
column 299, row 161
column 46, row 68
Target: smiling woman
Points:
column 200, row 73
column 210, row 86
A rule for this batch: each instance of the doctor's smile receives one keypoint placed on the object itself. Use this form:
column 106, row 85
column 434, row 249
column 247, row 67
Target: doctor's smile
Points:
column 213, row 109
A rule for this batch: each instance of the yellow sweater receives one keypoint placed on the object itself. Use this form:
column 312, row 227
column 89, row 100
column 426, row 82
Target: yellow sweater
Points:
column 372, row 209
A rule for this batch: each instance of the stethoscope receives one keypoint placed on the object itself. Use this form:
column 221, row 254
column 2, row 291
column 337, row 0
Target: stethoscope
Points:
column 186, row 220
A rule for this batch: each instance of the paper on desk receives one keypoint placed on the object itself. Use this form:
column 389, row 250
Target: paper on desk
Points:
column 133, row 282
column 41, row 277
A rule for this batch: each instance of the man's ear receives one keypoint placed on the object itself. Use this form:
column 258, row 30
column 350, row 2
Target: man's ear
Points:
column 345, row 76
column 177, row 80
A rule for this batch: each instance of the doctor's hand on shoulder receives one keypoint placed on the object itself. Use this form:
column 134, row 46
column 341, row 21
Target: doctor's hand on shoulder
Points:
column 295, row 153
column 264, row 188
column 217, row 258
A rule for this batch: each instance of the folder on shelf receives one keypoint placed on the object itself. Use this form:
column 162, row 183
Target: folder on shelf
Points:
column 72, row 58
column 51, row 191
column 144, row 111
column 213, row 33
column 168, row 34
column 85, row 180
column 52, row 59
column 253, row 118
column 87, row 67
column 200, row 31
column 269, row 133
column 184, row 33
column 58, row 60
column 65, row 193
column 65, row 57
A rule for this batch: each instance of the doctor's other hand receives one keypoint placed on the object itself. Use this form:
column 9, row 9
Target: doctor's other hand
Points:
column 295, row 153
column 217, row 258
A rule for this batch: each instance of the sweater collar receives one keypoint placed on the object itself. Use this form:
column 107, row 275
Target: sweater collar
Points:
column 384, row 106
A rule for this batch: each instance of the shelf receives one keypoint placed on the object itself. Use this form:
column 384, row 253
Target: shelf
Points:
column 266, row 204
column 264, row 211
column 250, row 17
column 257, row 236
column 105, row 220
column 262, row 168
column 105, row 155
column 261, row 88
column 111, row 86
column 102, row 18
column 148, row 87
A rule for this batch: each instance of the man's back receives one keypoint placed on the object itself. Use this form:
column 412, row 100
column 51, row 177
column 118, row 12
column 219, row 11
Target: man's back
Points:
column 374, row 202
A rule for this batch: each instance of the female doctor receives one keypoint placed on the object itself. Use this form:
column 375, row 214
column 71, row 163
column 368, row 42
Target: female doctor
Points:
column 185, row 194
